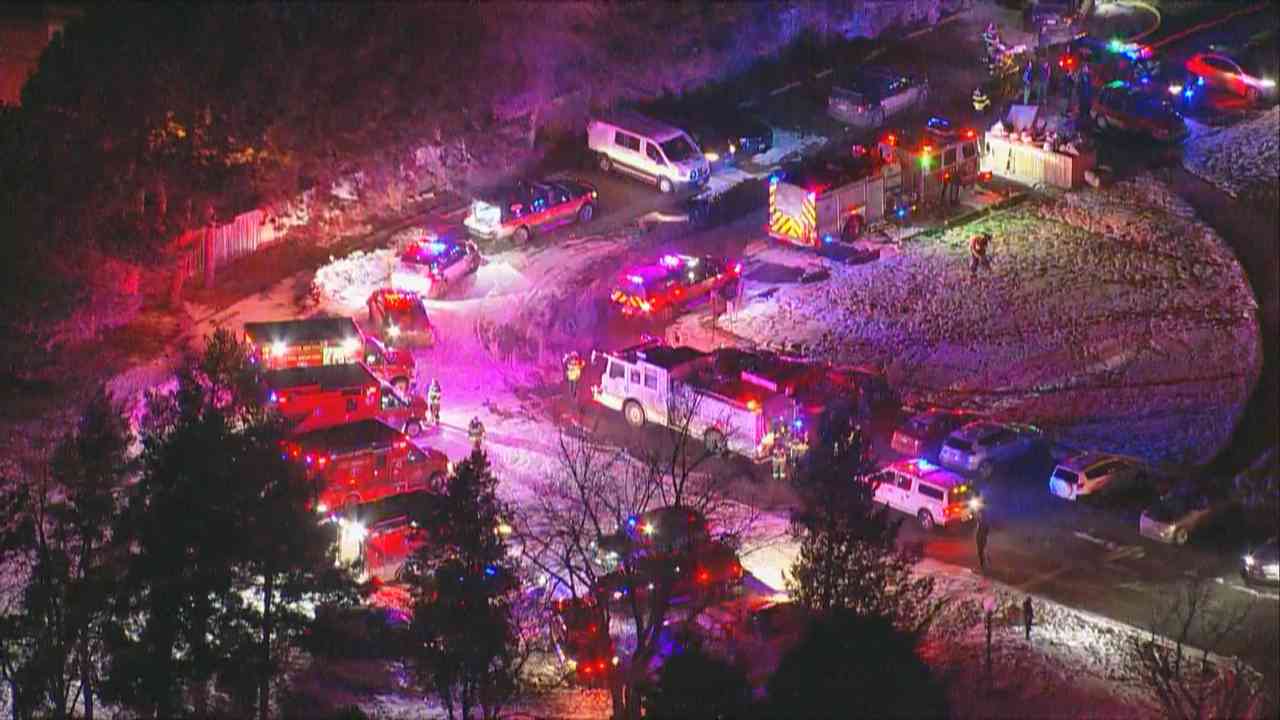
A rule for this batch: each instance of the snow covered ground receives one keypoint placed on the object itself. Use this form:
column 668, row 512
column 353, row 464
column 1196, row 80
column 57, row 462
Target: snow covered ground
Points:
column 1113, row 319
column 787, row 145
column 1242, row 159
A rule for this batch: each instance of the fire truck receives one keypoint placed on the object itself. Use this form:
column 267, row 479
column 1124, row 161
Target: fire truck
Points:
column 662, row 288
column 365, row 461
column 313, row 398
column 580, row 628
column 670, row 545
column 933, row 157
column 679, row 387
column 399, row 319
column 323, row 341
column 833, row 198
column 386, row 534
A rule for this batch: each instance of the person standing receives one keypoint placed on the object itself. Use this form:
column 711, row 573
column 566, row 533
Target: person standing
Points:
column 433, row 401
column 981, row 538
column 1028, row 613
column 475, row 431
column 1028, row 79
column 573, row 365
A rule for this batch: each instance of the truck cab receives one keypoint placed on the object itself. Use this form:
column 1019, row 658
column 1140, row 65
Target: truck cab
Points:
column 365, row 461
column 933, row 157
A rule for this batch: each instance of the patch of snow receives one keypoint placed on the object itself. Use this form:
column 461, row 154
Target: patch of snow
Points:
column 786, row 145
column 1239, row 158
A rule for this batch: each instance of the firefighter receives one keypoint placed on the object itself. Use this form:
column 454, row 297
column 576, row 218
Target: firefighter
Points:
column 978, row 252
column 1028, row 80
column 433, row 402
column 475, row 431
column 780, row 451
column 980, row 101
column 573, row 365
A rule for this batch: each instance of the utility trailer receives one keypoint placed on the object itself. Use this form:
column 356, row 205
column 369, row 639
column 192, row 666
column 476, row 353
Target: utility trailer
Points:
column 679, row 386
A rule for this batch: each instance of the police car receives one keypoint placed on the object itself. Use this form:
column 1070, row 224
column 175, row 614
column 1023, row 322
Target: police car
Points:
column 433, row 264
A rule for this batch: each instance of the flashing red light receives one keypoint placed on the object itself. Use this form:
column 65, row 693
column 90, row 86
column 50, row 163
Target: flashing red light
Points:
column 969, row 133
column 703, row 576
column 926, row 148
column 321, row 462
column 891, row 140
column 737, row 268
column 401, row 444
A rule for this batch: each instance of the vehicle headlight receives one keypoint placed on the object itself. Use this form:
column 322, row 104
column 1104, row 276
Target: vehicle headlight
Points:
column 1272, row 568
column 1267, row 83
column 732, row 148
column 1248, row 560
column 711, row 157
column 393, row 330
column 573, row 664
column 321, row 508
column 975, row 504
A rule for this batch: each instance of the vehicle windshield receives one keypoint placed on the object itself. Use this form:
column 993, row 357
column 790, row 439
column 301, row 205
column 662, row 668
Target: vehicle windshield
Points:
column 1066, row 476
column 678, row 149
column 959, row 444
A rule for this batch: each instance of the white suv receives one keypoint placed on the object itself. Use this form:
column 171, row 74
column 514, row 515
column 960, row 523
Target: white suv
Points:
column 1091, row 472
column 979, row 446
column 934, row 496
column 648, row 150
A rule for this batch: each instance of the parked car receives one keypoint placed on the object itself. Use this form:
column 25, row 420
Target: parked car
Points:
column 1221, row 71
column 933, row 496
column 518, row 210
column 1128, row 108
column 1050, row 16
column 1261, row 566
column 869, row 96
column 981, row 445
column 725, row 136
column 399, row 319
column 922, row 434
column 434, row 264
column 1088, row 473
column 1177, row 515
column 648, row 150
column 662, row 288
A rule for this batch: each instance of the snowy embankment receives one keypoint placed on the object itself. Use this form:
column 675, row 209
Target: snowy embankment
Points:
column 786, row 146
column 1243, row 160
column 1113, row 319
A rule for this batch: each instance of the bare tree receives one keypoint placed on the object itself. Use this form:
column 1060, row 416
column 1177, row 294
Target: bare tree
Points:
column 1189, row 680
column 591, row 494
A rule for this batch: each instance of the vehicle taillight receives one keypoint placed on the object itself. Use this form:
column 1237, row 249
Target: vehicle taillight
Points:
column 737, row 268
column 703, row 576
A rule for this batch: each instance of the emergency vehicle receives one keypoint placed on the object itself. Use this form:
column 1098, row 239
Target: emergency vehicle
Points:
column 933, row 156
column 679, row 386
column 365, row 461
column 661, row 288
column 399, row 319
column 316, row 342
column 386, row 534
column 580, row 629
column 313, row 398
column 518, row 210
column 670, row 545
column 434, row 263
column 834, row 198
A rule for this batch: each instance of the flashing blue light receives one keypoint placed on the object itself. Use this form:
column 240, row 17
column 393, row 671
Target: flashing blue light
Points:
column 273, row 397
column 799, row 424
column 1188, row 93
column 827, row 239
column 631, row 521
column 435, row 247
column 1200, row 80
column 773, row 179
column 901, row 212
column 924, row 465
column 490, row 570
column 939, row 123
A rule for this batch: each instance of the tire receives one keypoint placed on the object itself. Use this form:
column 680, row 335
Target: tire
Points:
column 413, row 428
column 586, row 212
column 852, row 228
column 664, row 186
column 985, row 470
column 604, row 163
column 714, row 441
column 634, row 414
column 401, row 384
column 521, row 235
column 1180, row 536
column 926, row 520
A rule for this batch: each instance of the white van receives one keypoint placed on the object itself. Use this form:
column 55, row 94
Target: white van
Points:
column 648, row 150
column 933, row 496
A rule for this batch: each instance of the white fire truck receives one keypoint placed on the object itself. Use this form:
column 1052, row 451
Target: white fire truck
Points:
column 672, row 386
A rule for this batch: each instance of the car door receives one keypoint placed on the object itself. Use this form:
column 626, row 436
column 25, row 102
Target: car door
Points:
column 905, row 497
column 885, row 483
column 542, row 205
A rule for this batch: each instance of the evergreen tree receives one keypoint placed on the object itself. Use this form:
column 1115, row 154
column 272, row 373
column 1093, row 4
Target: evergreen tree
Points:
column 694, row 684
column 463, row 621
column 854, row 666
column 219, row 551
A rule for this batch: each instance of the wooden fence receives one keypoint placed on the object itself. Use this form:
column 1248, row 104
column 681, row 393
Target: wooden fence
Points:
column 212, row 247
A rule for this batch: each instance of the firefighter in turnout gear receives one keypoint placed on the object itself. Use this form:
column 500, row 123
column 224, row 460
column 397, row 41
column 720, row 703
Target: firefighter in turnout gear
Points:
column 978, row 252
column 980, row 100
column 475, row 431
column 780, row 451
column 433, row 402
column 573, row 365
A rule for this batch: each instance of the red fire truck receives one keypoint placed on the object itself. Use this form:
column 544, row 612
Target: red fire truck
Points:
column 399, row 319
column 392, row 530
column 365, row 461
column 326, row 341
column 313, row 398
